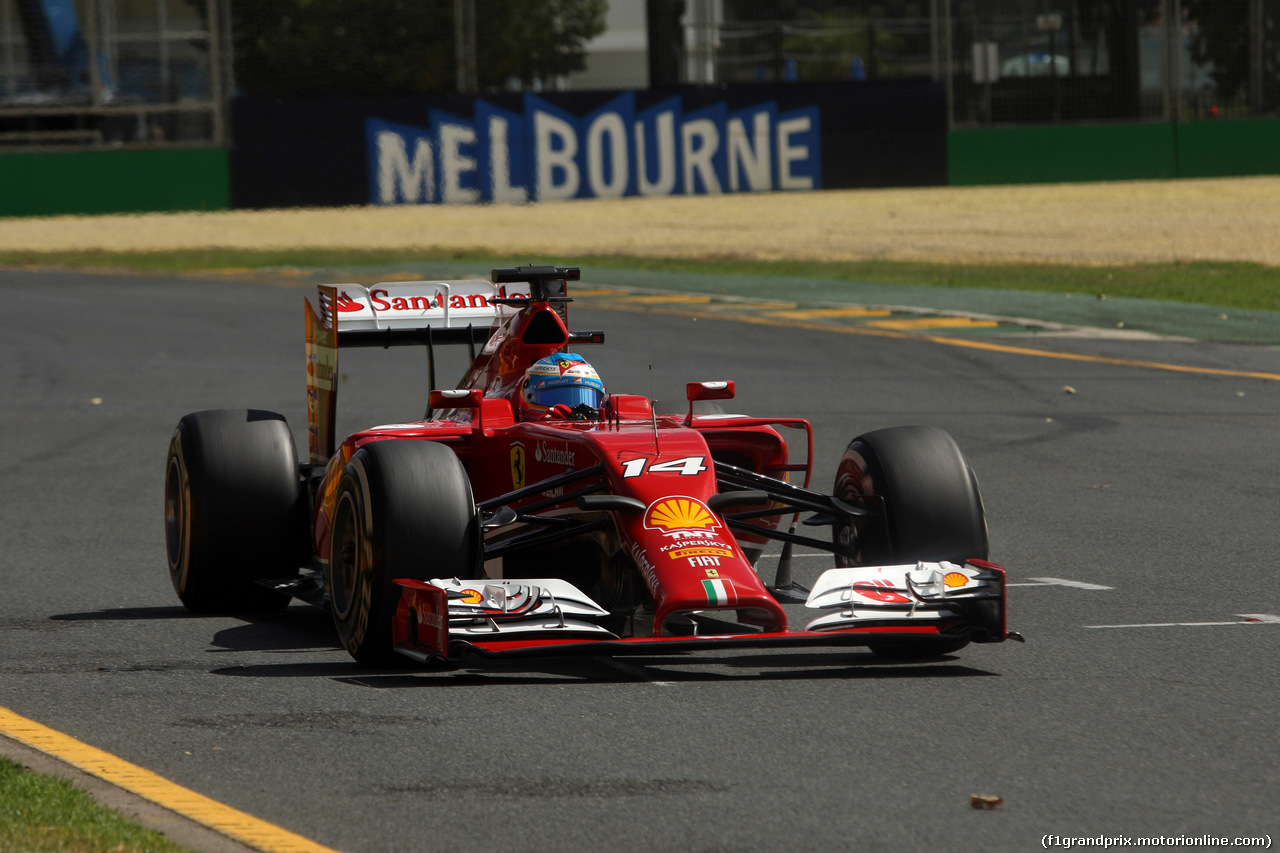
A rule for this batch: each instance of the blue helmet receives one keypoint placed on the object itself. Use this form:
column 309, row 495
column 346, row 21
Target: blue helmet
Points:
column 564, row 378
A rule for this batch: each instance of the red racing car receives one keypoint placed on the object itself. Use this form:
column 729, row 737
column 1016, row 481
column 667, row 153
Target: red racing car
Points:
column 530, row 513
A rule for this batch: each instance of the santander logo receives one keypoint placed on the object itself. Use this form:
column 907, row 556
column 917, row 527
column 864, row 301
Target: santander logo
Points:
column 555, row 455
column 423, row 301
column 346, row 304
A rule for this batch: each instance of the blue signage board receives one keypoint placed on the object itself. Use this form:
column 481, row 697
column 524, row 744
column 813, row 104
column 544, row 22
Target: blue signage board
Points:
column 509, row 147
column 546, row 152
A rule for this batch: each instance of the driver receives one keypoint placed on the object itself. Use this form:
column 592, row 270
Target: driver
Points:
column 563, row 385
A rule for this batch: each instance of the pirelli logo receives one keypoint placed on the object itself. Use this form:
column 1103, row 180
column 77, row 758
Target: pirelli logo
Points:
column 700, row 552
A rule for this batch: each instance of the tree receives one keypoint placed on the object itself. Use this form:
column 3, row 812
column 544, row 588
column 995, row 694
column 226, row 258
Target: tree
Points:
column 534, row 41
column 403, row 47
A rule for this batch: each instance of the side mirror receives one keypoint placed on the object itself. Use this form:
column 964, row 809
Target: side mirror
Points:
column 459, row 398
column 721, row 390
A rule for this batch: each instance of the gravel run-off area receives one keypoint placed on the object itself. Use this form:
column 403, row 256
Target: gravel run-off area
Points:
column 1230, row 219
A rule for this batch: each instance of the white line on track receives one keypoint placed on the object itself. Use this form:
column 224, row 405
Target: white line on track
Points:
column 822, row 555
column 1249, row 619
column 637, row 673
column 1060, row 582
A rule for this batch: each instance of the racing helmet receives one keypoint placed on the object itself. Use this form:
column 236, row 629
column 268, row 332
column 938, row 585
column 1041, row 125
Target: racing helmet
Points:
column 565, row 378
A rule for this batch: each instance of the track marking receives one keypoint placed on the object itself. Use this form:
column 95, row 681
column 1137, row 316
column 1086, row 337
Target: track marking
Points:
column 634, row 671
column 1100, row 359
column 223, row 819
column 687, row 298
column 813, row 313
column 1060, row 582
column 1249, row 619
column 935, row 323
column 768, row 320
column 823, row 556
column 757, row 306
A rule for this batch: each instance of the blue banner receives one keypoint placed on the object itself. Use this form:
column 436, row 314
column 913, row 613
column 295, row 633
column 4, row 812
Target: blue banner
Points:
column 547, row 152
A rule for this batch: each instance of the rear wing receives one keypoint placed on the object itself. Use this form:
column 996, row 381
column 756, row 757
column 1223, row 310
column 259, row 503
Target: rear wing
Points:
column 392, row 314
column 389, row 313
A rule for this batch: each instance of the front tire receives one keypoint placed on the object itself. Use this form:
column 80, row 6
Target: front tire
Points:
column 404, row 509
column 932, row 510
column 234, row 510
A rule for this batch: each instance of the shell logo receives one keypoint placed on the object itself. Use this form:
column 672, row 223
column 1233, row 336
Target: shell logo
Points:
column 471, row 596
column 955, row 579
column 680, row 514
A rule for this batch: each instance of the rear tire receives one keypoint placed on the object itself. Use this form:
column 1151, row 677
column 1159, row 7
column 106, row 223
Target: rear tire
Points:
column 234, row 510
column 932, row 510
column 404, row 510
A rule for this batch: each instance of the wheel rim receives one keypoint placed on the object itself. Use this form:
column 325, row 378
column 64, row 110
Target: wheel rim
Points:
column 344, row 555
column 846, row 536
column 176, row 505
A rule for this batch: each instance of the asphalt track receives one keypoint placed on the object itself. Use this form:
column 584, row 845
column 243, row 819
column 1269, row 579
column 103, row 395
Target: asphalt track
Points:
column 1129, row 486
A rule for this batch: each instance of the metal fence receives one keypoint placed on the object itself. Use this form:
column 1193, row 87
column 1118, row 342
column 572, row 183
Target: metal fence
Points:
column 113, row 73
column 156, row 73
column 1164, row 60
column 1013, row 61
column 852, row 48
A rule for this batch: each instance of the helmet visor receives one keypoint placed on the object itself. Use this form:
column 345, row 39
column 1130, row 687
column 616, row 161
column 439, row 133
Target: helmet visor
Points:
column 570, row 395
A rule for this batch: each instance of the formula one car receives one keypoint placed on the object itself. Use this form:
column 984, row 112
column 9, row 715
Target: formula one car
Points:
column 530, row 513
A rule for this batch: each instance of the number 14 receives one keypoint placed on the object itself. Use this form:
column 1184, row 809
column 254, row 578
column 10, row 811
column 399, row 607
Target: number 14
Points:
column 690, row 466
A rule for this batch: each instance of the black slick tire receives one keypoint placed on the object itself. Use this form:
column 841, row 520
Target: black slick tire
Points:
column 932, row 509
column 234, row 510
column 404, row 509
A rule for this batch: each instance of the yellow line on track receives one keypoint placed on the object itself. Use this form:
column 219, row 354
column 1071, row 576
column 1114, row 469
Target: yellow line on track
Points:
column 815, row 313
column 935, row 323
column 767, row 320
column 1102, row 359
column 757, row 306
column 669, row 297
column 223, row 819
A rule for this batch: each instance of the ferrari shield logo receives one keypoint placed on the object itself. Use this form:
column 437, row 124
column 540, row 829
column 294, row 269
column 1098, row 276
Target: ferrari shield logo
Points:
column 517, row 466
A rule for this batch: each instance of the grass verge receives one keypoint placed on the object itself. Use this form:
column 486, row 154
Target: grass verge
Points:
column 1229, row 284
column 44, row 814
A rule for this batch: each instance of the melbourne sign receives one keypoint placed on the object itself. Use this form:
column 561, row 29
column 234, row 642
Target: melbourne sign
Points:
column 545, row 152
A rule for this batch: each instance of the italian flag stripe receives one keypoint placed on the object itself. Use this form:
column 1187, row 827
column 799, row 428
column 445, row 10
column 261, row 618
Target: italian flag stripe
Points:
column 716, row 591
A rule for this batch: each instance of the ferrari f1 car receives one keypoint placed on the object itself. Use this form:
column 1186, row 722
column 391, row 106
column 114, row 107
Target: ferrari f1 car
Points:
column 505, row 524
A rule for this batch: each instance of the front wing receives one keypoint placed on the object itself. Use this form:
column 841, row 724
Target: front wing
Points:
column 921, row 603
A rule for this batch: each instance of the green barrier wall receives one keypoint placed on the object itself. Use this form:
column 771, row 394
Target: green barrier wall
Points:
column 1211, row 149
column 1108, row 152
column 132, row 181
